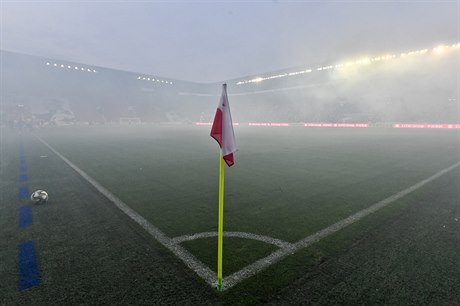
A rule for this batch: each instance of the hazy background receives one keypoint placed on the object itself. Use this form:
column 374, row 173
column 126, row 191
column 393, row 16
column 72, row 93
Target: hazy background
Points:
column 210, row 41
column 190, row 47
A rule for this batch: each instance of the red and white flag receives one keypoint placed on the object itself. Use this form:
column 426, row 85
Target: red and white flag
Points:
column 222, row 128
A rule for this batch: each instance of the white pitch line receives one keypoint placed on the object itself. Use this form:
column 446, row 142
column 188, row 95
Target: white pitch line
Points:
column 191, row 261
column 279, row 243
column 276, row 256
column 289, row 248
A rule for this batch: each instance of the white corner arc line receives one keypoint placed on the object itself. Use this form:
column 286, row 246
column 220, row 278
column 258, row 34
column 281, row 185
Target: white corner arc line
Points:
column 276, row 256
column 279, row 243
column 191, row 261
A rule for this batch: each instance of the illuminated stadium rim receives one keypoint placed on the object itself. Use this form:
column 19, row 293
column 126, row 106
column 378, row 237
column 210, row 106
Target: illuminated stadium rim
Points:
column 363, row 61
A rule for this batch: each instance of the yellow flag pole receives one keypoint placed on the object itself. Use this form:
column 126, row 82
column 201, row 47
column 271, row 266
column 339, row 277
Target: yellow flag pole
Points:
column 220, row 240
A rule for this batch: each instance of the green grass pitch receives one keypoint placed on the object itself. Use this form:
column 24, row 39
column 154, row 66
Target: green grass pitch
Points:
column 287, row 183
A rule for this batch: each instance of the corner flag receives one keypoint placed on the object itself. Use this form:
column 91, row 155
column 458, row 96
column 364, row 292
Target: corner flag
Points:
column 222, row 128
column 222, row 132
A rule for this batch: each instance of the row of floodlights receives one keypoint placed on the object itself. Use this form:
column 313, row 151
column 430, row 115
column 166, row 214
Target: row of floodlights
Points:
column 70, row 67
column 94, row 71
column 364, row 61
column 154, row 80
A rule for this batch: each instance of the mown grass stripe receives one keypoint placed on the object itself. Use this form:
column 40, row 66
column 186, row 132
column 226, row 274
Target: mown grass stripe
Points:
column 29, row 275
column 25, row 216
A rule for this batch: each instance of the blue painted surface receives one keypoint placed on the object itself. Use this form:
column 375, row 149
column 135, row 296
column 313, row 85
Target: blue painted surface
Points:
column 29, row 276
column 23, row 192
column 23, row 177
column 25, row 216
column 22, row 168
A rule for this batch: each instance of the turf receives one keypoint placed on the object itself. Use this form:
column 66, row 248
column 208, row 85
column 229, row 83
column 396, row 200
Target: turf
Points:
column 287, row 183
column 411, row 259
column 305, row 179
column 87, row 251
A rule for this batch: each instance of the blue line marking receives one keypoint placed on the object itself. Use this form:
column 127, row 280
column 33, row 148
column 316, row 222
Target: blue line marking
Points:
column 25, row 216
column 22, row 168
column 23, row 192
column 29, row 276
column 23, row 177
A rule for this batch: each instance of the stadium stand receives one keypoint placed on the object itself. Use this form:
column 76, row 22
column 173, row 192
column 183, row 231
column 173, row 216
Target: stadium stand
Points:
column 417, row 86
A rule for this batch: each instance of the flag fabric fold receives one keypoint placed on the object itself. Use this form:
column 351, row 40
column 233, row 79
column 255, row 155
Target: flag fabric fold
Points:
column 222, row 129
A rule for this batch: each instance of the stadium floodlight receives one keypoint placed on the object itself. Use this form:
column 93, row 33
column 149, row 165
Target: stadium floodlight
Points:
column 83, row 69
column 69, row 67
column 439, row 49
column 365, row 61
column 55, row 65
column 47, row 64
column 62, row 66
column 148, row 79
column 94, row 71
column 76, row 68
column 89, row 70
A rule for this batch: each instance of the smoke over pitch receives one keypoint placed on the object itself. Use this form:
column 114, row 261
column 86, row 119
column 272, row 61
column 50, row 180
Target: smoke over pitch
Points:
column 422, row 88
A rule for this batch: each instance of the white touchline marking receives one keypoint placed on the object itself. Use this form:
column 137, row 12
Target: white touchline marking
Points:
column 287, row 249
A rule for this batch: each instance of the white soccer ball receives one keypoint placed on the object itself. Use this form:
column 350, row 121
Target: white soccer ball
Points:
column 39, row 196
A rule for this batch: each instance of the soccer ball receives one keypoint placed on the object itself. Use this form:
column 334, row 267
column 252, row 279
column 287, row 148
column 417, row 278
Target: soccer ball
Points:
column 39, row 196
